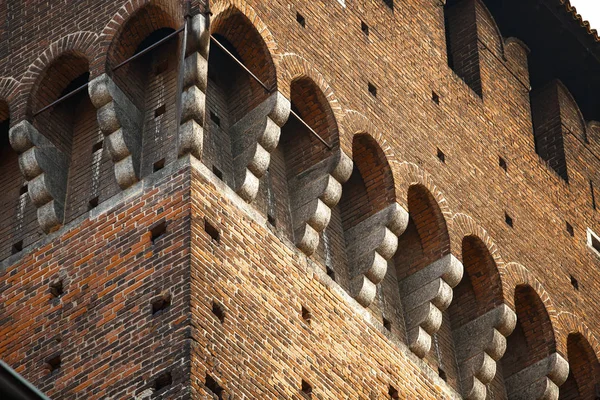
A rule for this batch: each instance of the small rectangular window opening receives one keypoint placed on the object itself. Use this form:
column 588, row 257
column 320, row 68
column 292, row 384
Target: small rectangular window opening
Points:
column 161, row 67
column 160, row 164
column 160, row 111
column 372, row 89
column 215, row 118
column 502, row 163
column 300, row 19
column 157, row 231
column 217, row 172
column 442, row 374
column 53, row 363
column 161, row 303
column 56, row 288
column 441, row 156
column 393, row 393
column 330, row 272
column 570, row 229
column 163, row 380
column 212, row 231
column 508, row 220
column 23, row 190
column 93, row 203
column 17, row 247
column 364, row 28
column 213, row 386
column 387, row 324
column 218, row 311
column 435, row 97
column 574, row 282
column 594, row 241
column 306, row 388
column 306, row 315
column 97, row 146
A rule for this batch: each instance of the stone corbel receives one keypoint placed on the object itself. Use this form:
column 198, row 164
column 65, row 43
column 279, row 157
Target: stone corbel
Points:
column 540, row 380
column 425, row 294
column 479, row 345
column 313, row 194
column 370, row 245
column 253, row 138
column 120, row 121
column 45, row 168
column 193, row 96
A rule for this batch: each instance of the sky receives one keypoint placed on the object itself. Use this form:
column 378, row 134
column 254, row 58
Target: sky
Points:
column 589, row 10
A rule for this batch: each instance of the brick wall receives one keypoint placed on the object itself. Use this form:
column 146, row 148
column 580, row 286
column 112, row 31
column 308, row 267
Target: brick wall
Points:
column 112, row 272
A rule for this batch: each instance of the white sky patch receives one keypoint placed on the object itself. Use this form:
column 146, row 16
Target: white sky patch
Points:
column 589, row 10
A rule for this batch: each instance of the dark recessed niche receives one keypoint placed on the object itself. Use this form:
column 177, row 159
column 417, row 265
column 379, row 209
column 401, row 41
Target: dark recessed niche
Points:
column 160, row 164
column 330, row 272
column 364, row 28
column 508, row 219
column 306, row 315
column 93, row 203
column 574, row 282
column 213, row 386
column 435, row 97
column 393, row 393
column 161, row 67
column 17, row 247
column 442, row 374
column 218, row 311
column 372, row 89
column 53, row 363
column 160, row 111
column 97, row 146
column 56, row 288
column 217, row 172
column 389, row 3
column 161, row 303
column 306, row 388
column 301, row 20
column 271, row 219
column 502, row 163
column 215, row 118
column 163, row 380
column 570, row 229
column 212, row 231
column 441, row 156
column 387, row 324
column 157, row 231
column 23, row 190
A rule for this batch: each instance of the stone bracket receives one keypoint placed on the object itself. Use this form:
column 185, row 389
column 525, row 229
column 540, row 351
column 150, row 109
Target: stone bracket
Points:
column 45, row 168
column 313, row 194
column 540, row 380
column 253, row 138
column 370, row 244
column 425, row 294
column 480, row 343
column 120, row 121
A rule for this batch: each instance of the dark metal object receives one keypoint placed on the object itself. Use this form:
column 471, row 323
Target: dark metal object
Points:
column 60, row 99
column 14, row 387
column 269, row 90
column 149, row 48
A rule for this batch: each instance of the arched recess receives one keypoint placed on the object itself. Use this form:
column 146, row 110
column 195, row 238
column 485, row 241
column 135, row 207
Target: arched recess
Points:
column 362, row 234
column 71, row 126
column 18, row 222
column 242, row 117
column 149, row 83
column 427, row 272
column 583, row 381
column 479, row 319
column 531, row 367
column 306, row 172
